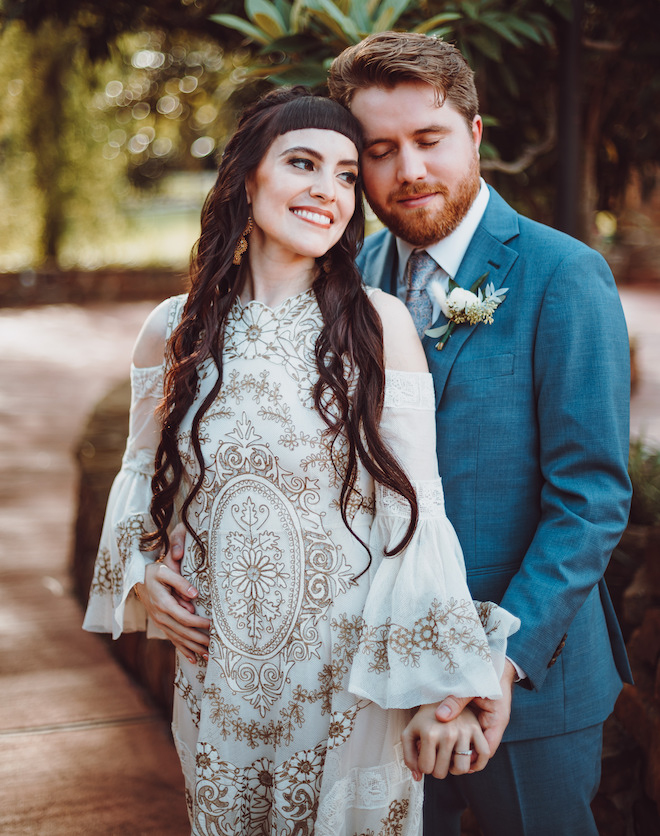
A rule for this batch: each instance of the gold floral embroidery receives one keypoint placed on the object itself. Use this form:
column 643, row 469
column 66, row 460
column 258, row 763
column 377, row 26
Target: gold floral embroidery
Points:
column 228, row 796
column 128, row 533
column 187, row 693
column 392, row 824
column 445, row 630
column 107, row 578
column 272, row 581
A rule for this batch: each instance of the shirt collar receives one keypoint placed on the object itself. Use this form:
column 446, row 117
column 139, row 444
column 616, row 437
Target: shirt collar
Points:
column 448, row 252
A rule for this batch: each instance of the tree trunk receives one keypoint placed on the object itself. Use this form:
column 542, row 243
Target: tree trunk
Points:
column 51, row 59
column 568, row 132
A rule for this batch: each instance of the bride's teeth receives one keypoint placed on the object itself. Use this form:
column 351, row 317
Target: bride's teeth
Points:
column 312, row 216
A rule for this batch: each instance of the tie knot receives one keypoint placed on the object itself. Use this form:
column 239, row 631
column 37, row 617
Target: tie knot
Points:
column 419, row 269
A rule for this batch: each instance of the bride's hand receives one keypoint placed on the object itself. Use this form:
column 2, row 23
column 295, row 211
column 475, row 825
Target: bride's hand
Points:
column 433, row 748
column 167, row 597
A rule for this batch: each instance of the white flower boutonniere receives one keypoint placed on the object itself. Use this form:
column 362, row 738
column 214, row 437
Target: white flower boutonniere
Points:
column 461, row 305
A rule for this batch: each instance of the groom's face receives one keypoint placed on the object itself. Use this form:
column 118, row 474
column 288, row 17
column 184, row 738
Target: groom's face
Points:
column 420, row 163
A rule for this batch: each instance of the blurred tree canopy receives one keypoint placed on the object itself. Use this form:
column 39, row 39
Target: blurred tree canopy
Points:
column 100, row 22
column 159, row 112
column 80, row 138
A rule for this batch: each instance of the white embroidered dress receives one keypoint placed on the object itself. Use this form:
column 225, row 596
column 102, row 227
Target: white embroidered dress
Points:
column 284, row 732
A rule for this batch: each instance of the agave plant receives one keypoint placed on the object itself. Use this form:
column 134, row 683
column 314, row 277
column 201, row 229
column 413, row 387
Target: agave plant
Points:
column 297, row 39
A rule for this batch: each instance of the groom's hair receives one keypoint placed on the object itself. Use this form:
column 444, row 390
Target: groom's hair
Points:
column 389, row 58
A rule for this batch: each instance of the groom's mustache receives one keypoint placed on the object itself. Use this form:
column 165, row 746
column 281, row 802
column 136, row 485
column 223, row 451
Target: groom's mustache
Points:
column 416, row 189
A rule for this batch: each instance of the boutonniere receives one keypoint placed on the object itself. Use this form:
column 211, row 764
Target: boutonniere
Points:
column 461, row 305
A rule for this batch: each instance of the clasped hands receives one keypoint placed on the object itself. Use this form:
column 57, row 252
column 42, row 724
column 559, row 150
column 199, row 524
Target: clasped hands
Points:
column 456, row 736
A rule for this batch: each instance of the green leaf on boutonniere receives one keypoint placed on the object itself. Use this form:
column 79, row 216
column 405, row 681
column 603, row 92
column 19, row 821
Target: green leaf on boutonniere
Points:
column 437, row 332
column 477, row 284
column 445, row 332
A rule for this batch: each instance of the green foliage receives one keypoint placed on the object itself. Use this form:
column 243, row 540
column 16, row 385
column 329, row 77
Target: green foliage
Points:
column 49, row 174
column 622, row 89
column 79, row 142
column 297, row 39
column 100, row 23
column 165, row 101
column 644, row 471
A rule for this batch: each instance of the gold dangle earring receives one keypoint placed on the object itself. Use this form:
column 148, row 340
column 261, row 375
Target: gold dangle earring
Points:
column 242, row 244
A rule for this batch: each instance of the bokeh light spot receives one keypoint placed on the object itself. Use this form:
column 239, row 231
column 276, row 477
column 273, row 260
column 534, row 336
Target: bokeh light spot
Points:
column 202, row 147
column 114, row 89
column 188, row 83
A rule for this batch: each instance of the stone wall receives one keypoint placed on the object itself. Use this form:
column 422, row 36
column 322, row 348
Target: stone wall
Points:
column 75, row 287
column 629, row 798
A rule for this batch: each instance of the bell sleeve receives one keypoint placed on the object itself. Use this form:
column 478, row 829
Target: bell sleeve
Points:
column 113, row 605
column 423, row 637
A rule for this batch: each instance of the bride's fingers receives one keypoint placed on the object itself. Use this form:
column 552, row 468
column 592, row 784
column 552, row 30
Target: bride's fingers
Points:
column 462, row 755
column 439, row 758
column 482, row 750
column 471, row 754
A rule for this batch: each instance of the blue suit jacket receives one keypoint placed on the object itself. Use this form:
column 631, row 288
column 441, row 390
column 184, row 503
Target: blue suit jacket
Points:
column 532, row 442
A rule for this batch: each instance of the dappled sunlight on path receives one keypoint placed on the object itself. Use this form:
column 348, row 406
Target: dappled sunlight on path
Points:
column 82, row 750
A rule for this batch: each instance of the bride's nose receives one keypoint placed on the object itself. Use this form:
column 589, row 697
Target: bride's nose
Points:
column 324, row 186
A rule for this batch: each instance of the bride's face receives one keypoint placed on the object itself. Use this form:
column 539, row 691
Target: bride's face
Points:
column 302, row 194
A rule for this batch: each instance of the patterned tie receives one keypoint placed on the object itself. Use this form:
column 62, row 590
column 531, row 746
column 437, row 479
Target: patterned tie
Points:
column 419, row 269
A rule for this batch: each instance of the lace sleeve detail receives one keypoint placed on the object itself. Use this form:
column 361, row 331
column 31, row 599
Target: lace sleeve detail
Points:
column 175, row 312
column 139, row 461
column 120, row 562
column 422, row 637
column 409, row 390
column 430, row 500
column 147, row 383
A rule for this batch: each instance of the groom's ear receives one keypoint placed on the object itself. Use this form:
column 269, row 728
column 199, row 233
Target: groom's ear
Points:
column 477, row 131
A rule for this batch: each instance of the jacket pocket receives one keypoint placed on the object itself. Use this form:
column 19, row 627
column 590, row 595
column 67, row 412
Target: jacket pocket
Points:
column 482, row 368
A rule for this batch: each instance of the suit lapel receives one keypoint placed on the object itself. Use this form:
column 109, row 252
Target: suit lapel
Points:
column 487, row 253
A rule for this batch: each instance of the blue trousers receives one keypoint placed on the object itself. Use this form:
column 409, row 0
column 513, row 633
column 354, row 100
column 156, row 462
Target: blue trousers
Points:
column 540, row 787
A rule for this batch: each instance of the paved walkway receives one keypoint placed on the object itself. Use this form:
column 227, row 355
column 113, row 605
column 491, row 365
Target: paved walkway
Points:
column 642, row 309
column 82, row 750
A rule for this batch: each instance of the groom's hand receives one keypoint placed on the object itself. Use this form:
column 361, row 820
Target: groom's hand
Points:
column 493, row 715
column 450, row 708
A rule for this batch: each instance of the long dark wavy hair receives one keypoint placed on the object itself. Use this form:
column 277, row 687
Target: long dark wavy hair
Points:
column 351, row 332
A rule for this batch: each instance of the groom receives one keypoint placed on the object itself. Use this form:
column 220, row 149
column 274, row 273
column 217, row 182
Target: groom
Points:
column 532, row 427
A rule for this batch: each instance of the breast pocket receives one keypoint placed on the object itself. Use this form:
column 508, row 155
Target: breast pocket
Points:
column 484, row 368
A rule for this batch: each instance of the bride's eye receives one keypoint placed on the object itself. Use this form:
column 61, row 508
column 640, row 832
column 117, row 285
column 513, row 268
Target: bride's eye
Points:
column 302, row 163
column 349, row 177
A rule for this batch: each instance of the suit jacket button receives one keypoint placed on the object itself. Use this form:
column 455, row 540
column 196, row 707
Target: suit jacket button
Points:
column 559, row 649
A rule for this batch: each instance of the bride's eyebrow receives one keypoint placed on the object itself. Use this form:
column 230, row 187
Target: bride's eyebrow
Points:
column 301, row 149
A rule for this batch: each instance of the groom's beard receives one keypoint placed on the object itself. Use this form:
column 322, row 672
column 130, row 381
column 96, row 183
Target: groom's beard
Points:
column 425, row 226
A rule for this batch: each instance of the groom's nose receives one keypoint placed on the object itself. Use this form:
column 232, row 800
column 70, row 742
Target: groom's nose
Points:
column 411, row 165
